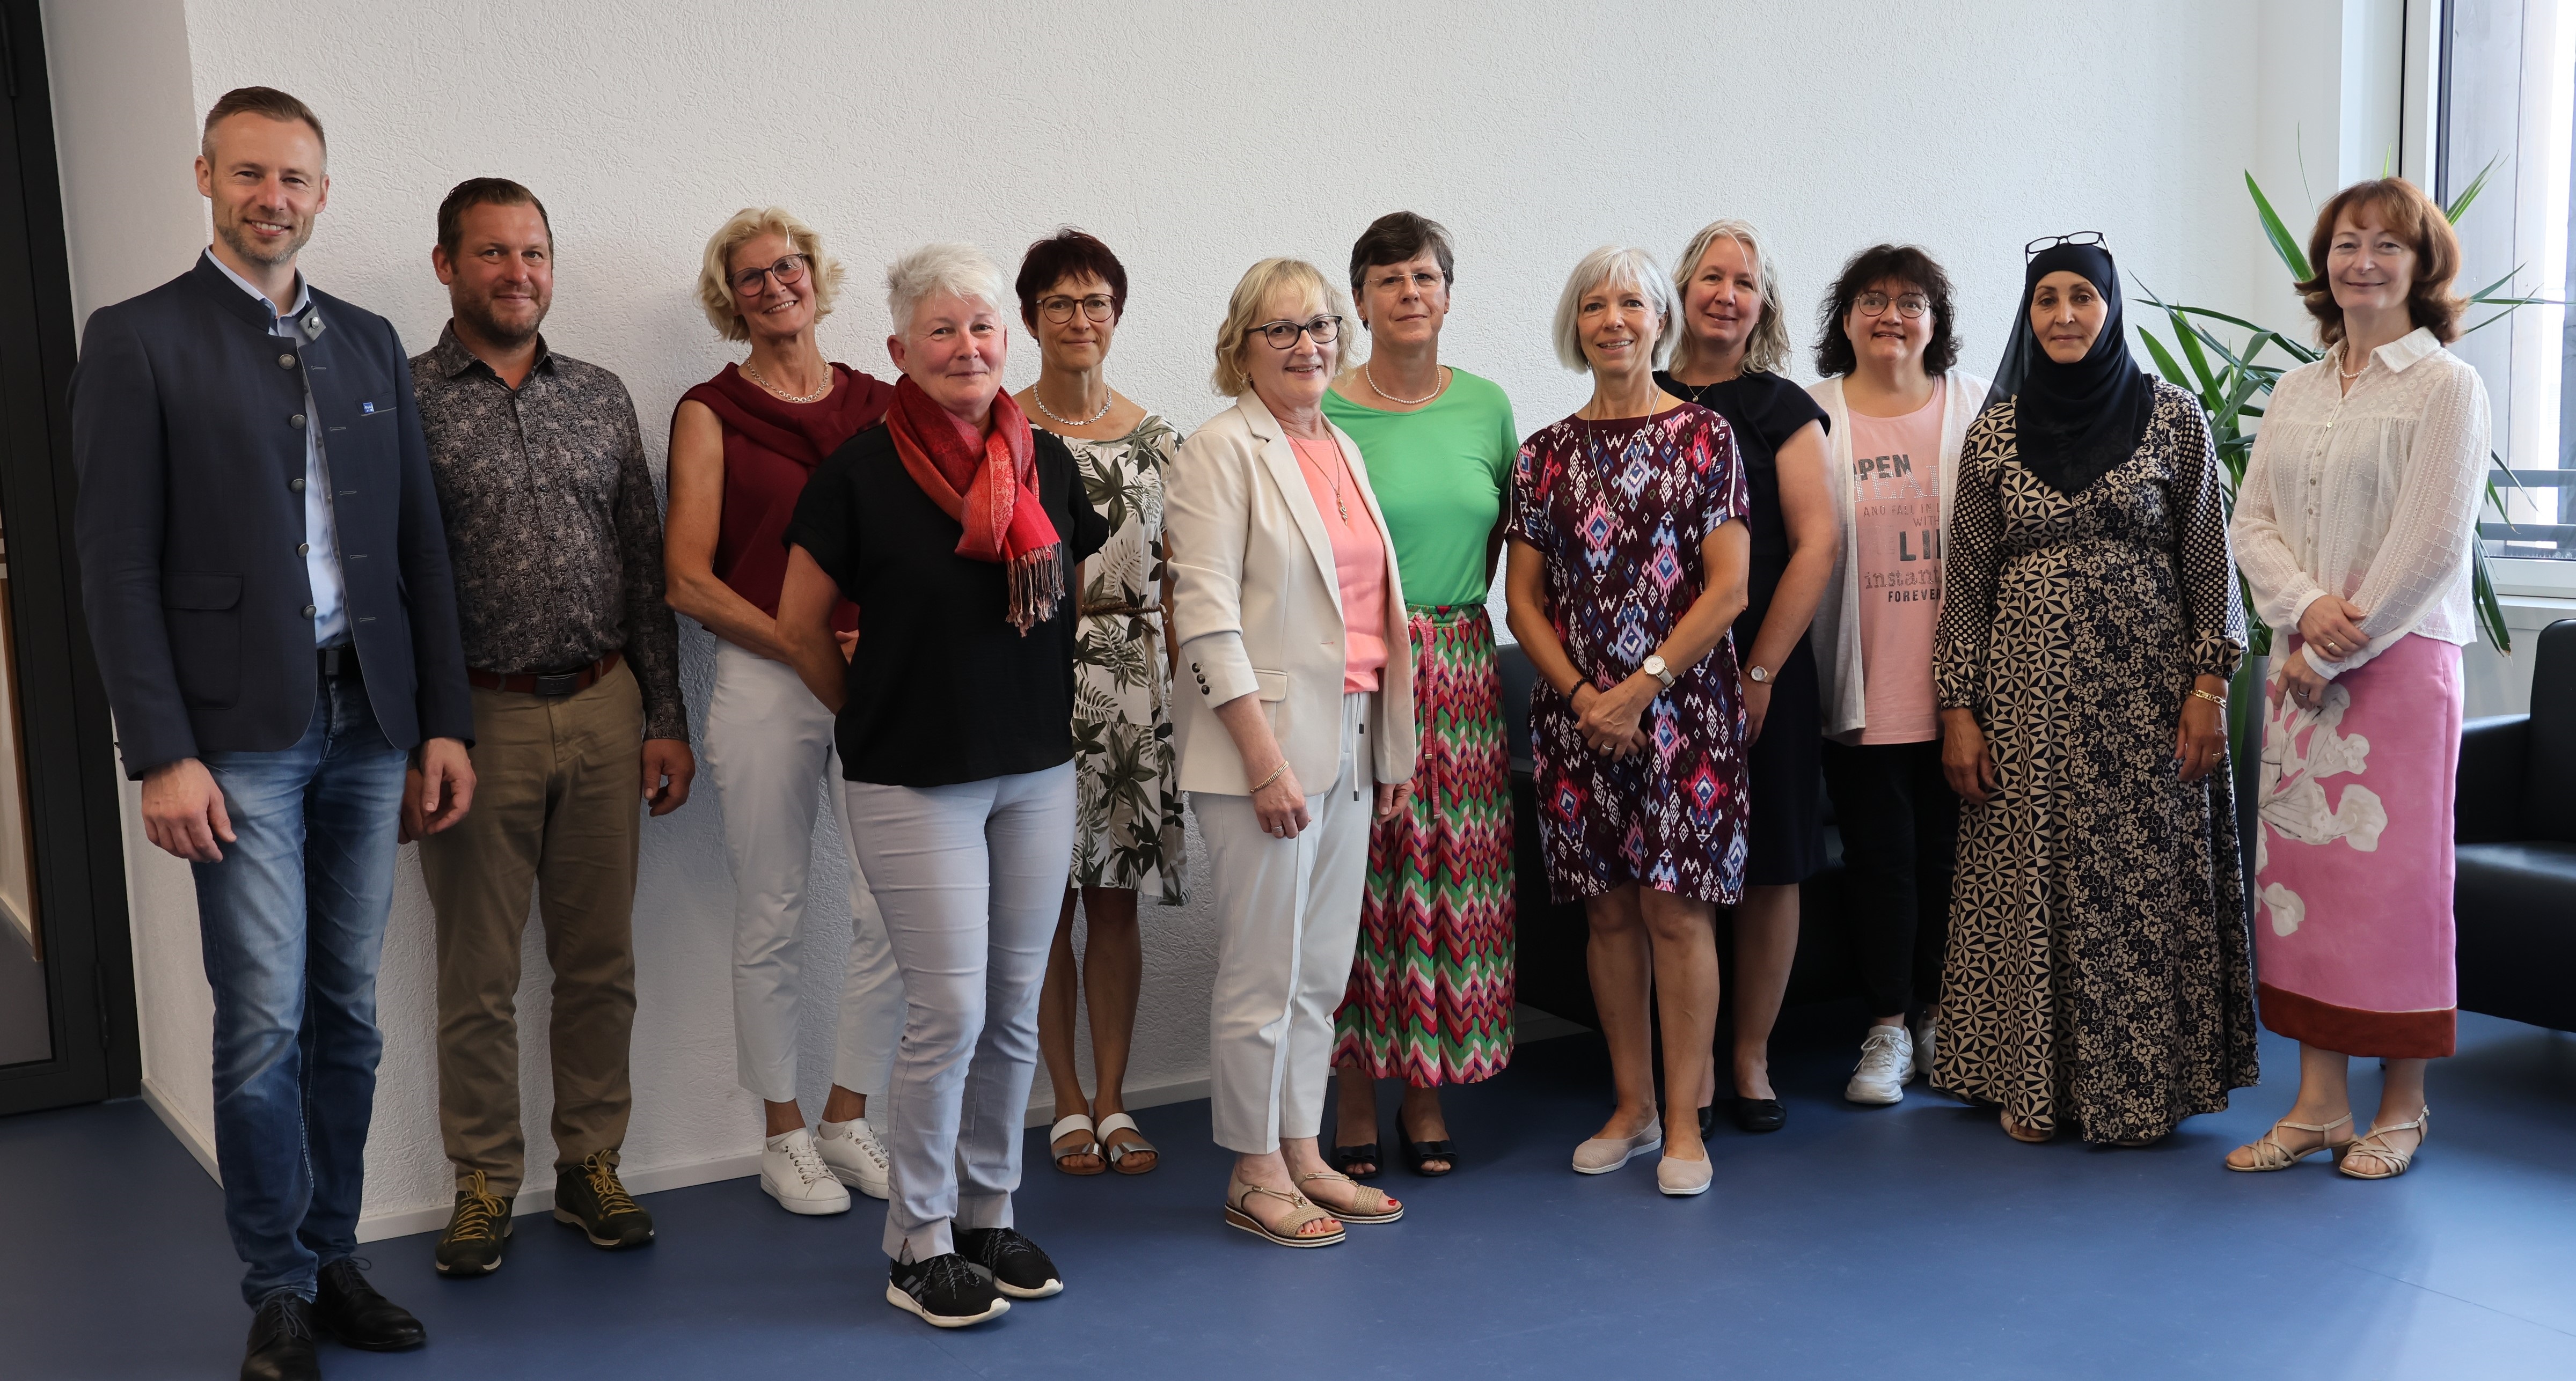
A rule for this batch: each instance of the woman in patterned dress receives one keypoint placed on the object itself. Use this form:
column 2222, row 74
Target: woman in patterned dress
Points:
column 1127, row 827
column 2097, row 972
column 1629, row 553
column 1430, row 997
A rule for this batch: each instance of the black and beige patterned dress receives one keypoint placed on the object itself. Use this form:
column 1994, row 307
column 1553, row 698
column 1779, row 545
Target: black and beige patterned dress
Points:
column 1127, row 797
column 2097, row 973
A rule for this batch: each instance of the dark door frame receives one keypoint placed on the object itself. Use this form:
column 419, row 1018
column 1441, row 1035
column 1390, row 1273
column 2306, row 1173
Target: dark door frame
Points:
column 75, row 820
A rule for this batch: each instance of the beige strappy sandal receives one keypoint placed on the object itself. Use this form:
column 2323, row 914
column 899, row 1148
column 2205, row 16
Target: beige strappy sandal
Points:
column 2029, row 1133
column 2270, row 1154
column 1386, row 1210
column 1238, row 1213
column 2370, row 1147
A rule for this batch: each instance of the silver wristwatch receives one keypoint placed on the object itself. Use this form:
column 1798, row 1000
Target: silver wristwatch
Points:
column 1757, row 676
column 1654, row 666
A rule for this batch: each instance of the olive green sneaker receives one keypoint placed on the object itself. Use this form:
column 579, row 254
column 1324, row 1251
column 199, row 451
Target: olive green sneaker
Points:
column 471, row 1245
column 588, row 1196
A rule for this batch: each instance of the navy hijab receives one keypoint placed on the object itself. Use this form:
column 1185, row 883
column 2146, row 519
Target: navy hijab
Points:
column 2077, row 422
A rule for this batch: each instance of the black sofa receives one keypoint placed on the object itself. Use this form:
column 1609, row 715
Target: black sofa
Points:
column 2515, row 901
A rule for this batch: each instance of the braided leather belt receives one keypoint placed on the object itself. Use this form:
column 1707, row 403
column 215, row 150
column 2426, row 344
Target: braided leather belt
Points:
column 1107, row 611
column 560, row 683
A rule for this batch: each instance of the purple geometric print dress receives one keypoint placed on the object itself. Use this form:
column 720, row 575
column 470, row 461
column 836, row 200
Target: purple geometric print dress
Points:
column 1619, row 510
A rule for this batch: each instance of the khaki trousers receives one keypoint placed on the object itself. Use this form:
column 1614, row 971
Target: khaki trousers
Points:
column 558, row 807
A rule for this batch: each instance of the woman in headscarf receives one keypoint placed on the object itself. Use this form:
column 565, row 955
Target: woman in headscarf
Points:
column 2097, row 974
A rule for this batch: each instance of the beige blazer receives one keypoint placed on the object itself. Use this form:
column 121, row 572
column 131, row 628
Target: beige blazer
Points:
column 1257, row 608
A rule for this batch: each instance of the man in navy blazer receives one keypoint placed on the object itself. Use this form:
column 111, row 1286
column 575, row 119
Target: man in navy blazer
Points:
column 267, row 586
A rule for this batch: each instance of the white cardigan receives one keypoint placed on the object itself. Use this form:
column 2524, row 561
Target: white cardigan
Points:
column 1835, row 635
column 1257, row 608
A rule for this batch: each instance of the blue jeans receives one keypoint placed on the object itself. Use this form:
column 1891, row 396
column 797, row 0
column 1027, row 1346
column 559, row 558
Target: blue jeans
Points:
column 293, row 921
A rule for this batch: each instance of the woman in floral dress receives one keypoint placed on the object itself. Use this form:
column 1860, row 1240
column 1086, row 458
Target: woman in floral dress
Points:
column 1629, row 558
column 1127, row 828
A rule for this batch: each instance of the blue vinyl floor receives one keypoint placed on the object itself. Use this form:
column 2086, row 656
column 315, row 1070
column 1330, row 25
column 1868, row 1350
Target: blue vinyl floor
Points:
column 1897, row 1243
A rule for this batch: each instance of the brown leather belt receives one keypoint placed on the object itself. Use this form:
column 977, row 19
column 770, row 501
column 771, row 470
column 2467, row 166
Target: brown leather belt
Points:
column 551, row 684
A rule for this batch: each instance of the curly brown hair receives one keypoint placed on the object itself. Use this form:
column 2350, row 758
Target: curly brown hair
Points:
column 2420, row 222
column 1900, row 264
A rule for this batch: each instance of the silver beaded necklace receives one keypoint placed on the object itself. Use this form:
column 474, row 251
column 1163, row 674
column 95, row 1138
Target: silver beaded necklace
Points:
column 1038, row 396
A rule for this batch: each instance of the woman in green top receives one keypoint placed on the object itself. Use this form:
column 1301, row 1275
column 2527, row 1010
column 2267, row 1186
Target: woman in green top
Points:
column 1430, row 998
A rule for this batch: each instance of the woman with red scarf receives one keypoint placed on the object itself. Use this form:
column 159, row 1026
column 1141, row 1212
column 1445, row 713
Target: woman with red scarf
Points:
column 954, row 526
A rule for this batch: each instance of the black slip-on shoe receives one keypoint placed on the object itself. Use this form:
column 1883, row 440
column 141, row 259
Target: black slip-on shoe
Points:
column 1760, row 1114
column 346, row 1307
column 477, row 1229
column 588, row 1196
column 1012, row 1262
column 281, row 1341
column 945, row 1292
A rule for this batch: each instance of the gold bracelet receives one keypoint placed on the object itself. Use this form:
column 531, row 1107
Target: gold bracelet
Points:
column 1274, row 776
column 2219, row 700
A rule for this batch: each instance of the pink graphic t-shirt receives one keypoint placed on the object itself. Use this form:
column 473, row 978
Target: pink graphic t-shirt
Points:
column 1896, row 491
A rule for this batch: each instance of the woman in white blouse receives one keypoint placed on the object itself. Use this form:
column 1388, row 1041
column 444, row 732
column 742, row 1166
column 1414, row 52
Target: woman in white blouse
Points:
column 2353, row 529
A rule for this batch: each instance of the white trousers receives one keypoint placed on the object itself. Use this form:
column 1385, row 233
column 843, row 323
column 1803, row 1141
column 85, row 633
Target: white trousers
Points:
column 1288, row 921
column 970, row 878
column 769, row 752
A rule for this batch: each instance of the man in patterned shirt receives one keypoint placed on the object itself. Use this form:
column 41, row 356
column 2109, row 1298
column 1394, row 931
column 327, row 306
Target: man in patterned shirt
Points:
column 574, row 661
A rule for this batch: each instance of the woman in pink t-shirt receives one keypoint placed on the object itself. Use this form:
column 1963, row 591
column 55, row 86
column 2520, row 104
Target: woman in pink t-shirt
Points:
column 1900, row 411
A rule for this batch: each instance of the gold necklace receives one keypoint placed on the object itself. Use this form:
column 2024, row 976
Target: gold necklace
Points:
column 783, row 395
column 1332, row 477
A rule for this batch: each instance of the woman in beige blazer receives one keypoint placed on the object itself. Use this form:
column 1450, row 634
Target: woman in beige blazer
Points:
column 1291, row 624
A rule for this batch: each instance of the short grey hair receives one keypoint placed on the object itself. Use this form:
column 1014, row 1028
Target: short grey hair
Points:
column 942, row 270
column 1613, row 264
column 1767, row 348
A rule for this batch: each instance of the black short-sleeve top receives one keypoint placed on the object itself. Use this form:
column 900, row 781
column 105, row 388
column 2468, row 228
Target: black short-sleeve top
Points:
column 942, row 689
column 1765, row 410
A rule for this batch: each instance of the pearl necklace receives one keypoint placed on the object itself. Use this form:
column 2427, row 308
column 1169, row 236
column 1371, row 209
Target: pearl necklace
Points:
column 1038, row 397
column 1442, row 387
column 2365, row 365
column 783, row 395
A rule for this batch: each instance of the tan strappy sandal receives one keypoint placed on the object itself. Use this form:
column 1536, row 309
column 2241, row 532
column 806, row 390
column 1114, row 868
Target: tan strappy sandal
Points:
column 1387, row 1210
column 1238, row 1213
column 2270, row 1154
column 2030, row 1133
column 2370, row 1147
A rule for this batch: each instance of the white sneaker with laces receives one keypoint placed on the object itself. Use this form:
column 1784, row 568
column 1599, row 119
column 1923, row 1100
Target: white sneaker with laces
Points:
column 1924, row 1032
column 793, row 1173
column 1886, row 1066
column 854, row 1155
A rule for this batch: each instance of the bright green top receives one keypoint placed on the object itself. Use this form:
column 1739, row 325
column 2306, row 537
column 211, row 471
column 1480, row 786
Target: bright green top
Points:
column 1441, row 473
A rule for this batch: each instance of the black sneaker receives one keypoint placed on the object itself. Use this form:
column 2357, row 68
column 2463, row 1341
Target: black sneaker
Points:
column 1012, row 1262
column 945, row 1291
column 476, row 1230
column 588, row 1196
column 281, row 1341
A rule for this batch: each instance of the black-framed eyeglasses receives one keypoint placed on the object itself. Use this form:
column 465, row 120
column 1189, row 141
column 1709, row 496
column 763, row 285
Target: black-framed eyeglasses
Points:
column 1911, row 306
column 2081, row 237
column 1059, row 308
column 789, row 272
column 1283, row 335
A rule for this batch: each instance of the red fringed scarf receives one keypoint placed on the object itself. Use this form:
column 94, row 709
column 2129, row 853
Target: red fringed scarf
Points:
column 992, row 492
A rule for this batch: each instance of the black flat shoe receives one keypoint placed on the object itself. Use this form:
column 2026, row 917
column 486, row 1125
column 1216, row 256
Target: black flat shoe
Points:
column 1707, row 1121
column 346, row 1307
column 1344, row 1157
column 281, row 1342
column 1760, row 1114
column 1416, row 1152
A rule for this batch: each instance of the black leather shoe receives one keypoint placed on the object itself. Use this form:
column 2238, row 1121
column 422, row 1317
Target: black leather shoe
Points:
column 281, row 1342
column 1707, row 1121
column 1760, row 1114
column 346, row 1307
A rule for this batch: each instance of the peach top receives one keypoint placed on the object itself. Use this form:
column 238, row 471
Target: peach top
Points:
column 1359, row 558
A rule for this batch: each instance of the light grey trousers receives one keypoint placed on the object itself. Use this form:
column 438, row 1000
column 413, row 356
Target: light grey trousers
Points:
column 969, row 878
column 1288, row 920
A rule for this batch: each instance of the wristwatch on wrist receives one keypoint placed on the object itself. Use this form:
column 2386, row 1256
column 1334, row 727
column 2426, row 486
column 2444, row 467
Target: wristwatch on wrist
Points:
column 1757, row 676
column 1654, row 666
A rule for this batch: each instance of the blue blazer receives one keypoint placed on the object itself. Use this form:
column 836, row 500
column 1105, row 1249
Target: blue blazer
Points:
column 186, row 438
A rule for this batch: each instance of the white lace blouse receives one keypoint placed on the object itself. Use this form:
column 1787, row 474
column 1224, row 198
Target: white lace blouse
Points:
column 2372, row 495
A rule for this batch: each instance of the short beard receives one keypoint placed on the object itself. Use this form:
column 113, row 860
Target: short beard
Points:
column 240, row 242
column 479, row 317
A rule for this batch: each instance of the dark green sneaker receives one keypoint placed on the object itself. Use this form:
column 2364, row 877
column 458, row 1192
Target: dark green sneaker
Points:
column 471, row 1246
column 588, row 1196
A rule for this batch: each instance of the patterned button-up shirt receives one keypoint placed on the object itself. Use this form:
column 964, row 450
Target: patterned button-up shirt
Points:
column 551, row 521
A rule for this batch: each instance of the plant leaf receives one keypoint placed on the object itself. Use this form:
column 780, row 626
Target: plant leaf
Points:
column 2282, row 242
column 2460, row 204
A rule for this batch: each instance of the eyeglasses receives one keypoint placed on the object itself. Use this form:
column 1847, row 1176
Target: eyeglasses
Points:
column 1423, row 281
column 1910, row 306
column 789, row 272
column 2081, row 237
column 1059, row 309
column 1282, row 335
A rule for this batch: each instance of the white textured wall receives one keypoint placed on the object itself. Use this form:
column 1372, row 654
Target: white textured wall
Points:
column 1195, row 138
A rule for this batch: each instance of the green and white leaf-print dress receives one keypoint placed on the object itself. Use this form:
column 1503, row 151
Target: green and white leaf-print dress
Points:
column 1127, row 796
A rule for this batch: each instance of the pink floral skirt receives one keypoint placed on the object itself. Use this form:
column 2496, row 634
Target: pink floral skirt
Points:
column 2353, row 868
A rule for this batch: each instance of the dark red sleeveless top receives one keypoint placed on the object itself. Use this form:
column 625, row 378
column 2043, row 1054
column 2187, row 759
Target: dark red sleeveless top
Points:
column 771, row 447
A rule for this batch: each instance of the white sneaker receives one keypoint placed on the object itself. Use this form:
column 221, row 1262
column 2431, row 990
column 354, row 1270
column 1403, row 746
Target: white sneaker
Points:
column 1924, row 1031
column 854, row 1155
column 1886, row 1067
column 793, row 1173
